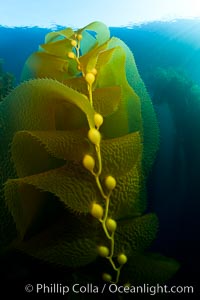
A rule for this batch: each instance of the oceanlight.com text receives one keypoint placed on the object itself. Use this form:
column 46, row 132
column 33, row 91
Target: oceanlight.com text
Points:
column 151, row 289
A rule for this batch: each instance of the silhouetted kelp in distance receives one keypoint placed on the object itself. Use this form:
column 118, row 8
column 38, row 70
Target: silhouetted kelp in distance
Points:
column 6, row 81
column 81, row 132
column 175, row 89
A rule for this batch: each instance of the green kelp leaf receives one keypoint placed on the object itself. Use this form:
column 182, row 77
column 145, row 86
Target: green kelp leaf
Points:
column 72, row 184
column 119, row 155
column 46, row 104
column 128, row 111
column 106, row 100
column 125, row 199
column 87, row 43
column 45, row 65
column 58, row 48
column 67, row 242
column 38, row 151
column 96, row 33
column 91, row 59
column 72, row 254
column 150, row 129
column 57, row 35
column 136, row 234
column 101, row 30
column 24, row 203
column 151, row 268
column 109, row 74
column 104, row 56
column 77, row 83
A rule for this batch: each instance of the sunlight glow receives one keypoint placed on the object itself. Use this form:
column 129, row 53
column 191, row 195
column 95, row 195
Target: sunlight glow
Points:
column 45, row 13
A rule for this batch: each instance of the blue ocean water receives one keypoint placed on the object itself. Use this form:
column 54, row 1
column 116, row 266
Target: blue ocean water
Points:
column 167, row 55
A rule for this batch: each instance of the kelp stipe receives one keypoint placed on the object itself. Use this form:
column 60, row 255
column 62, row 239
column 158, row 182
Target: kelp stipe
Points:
column 75, row 134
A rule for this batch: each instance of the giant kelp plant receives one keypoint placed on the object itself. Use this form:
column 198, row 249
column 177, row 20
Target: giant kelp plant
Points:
column 79, row 137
